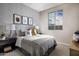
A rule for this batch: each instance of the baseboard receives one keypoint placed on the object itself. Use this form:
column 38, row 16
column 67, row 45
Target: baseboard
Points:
column 63, row 43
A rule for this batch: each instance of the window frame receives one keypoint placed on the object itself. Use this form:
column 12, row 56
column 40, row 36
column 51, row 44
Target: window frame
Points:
column 55, row 27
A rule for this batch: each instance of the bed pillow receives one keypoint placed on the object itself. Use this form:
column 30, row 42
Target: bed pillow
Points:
column 21, row 33
column 28, row 33
column 34, row 32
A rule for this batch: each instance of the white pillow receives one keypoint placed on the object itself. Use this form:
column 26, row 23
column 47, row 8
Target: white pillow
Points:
column 29, row 33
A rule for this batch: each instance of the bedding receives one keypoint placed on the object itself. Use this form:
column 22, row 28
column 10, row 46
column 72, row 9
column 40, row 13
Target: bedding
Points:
column 36, row 45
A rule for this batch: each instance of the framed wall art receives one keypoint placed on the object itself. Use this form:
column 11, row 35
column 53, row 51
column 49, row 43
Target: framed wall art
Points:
column 17, row 19
column 24, row 20
column 30, row 20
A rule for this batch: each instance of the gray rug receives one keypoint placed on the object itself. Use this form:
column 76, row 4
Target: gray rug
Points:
column 60, row 50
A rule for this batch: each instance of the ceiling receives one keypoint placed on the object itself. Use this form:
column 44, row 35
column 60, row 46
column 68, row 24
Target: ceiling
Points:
column 41, row 6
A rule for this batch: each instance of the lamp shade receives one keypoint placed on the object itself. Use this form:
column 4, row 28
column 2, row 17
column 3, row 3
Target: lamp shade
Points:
column 13, row 27
column 10, row 27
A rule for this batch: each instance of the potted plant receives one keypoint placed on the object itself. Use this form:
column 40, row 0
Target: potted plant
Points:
column 2, row 34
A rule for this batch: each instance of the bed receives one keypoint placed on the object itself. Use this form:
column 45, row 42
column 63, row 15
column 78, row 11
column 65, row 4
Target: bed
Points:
column 38, row 45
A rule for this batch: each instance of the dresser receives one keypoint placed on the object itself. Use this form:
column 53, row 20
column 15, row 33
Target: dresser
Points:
column 74, row 48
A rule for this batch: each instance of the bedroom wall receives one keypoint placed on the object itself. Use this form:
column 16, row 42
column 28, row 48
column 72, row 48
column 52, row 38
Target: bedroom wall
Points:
column 8, row 9
column 70, row 22
column 78, row 25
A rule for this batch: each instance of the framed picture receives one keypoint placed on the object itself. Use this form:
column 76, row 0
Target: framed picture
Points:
column 30, row 20
column 25, row 20
column 17, row 19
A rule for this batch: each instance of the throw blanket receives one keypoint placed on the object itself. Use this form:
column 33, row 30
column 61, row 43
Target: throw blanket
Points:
column 36, row 45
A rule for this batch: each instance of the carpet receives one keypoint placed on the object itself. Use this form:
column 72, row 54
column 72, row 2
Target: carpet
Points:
column 60, row 50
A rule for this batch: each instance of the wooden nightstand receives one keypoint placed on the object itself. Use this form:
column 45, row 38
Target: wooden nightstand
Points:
column 74, row 48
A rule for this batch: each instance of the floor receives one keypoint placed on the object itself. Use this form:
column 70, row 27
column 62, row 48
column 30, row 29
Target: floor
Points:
column 60, row 50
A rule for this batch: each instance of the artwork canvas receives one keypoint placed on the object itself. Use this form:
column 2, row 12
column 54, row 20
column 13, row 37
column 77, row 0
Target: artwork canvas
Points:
column 16, row 19
column 25, row 20
column 30, row 21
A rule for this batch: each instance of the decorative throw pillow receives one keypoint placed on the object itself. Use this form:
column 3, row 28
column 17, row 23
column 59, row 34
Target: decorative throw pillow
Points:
column 21, row 33
column 34, row 31
column 28, row 32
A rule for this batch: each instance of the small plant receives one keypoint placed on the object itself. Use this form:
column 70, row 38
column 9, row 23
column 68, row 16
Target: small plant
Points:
column 2, row 34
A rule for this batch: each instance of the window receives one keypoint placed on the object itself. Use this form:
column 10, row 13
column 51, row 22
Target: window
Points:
column 55, row 20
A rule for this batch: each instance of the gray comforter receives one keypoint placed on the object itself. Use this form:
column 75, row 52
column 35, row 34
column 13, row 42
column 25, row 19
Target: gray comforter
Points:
column 37, row 47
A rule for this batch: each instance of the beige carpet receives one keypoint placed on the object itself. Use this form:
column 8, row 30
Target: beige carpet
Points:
column 60, row 50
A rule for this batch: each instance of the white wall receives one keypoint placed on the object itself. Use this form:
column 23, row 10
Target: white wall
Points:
column 70, row 22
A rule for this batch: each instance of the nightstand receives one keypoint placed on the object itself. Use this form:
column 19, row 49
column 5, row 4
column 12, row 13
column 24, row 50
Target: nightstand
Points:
column 9, row 42
column 74, row 48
